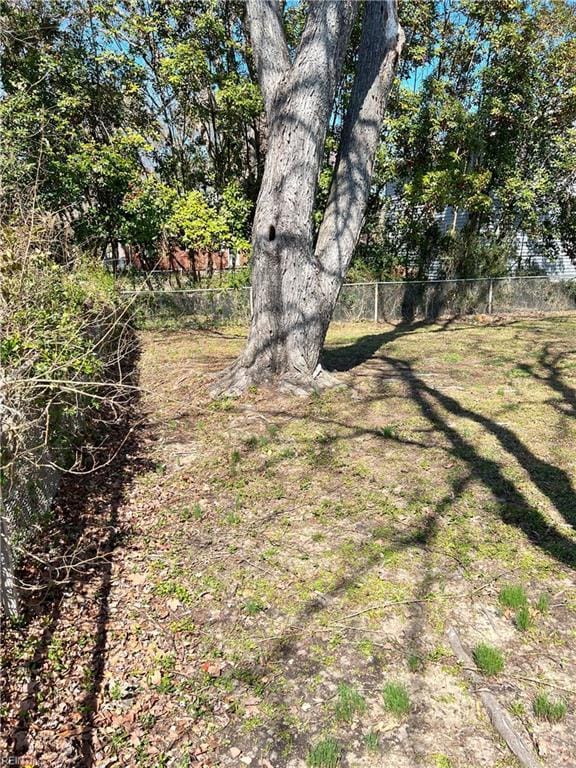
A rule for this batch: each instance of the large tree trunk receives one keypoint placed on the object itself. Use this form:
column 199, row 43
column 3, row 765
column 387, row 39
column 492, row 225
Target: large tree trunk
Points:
column 295, row 285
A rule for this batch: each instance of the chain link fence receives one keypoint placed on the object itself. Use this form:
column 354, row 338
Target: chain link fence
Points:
column 378, row 302
column 180, row 279
column 30, row 483
column 206, row 307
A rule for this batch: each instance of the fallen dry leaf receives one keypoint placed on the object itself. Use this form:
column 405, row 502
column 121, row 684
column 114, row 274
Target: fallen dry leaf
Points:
column 137, row 578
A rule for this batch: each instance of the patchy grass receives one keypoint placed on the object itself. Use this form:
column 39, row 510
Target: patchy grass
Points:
column 513, row 596
column 276, row 559
column 396, row 699
column 349, row 703
column 489, row 660
column 552, row 710
column 372, row 741
column 543, row 603
column 325, row 754
column 523, row 619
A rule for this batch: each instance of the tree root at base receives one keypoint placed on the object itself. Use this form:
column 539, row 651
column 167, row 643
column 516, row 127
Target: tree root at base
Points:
column 234, row 381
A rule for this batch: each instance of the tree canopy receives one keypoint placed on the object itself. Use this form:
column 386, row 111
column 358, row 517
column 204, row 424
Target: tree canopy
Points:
column 104, row 104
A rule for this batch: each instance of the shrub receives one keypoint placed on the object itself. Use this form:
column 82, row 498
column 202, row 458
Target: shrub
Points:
column 62, row 353
column 62, row 342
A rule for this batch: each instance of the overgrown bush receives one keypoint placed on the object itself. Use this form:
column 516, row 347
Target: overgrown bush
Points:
column 64, row 337
column 63, row 353
column 53, row 317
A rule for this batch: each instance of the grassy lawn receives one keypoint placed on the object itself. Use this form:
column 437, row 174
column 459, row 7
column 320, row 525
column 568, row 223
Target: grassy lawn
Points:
column 292, row 566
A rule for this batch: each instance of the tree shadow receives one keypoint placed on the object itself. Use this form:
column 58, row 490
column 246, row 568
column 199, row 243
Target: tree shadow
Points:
column 553, row 378
column 552, row 481
column 344, row 358
column 285, row 646
column 84, row 533
column 514, row 508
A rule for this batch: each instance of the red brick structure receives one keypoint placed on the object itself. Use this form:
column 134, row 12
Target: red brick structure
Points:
column 175, row 258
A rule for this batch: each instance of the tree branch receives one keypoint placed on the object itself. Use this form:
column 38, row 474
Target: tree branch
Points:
column 269, row 47
column 379, row 52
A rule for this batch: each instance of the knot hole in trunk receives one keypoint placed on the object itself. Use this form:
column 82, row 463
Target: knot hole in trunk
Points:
column 272, row 233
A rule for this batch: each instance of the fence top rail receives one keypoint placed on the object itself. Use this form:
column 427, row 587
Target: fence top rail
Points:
column 247, row 288
column 548, row 278
column 216, row 270
column 135, row 292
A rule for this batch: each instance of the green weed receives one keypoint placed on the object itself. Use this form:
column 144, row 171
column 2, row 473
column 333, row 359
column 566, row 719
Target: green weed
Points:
column 234, row 462
column 441, row 761
column 325, row 754
column 488, row 659
column 166, row 684
column 517, row 708
column 254, row 442
column 522, row 619
column 366, row 647
column 167, row 662
column 513, row 596
column 252, row 607
column 115, row 690
column 350, row 702
column 56, row 654
column 415, row 663
column 185, row 625
column 543, row 603
column 191, row 513
column 170, row 588
column 222, row 404
column 372, row 741
column 147, row 720
column 396, row 699
column 119, row 739
column 546, row 709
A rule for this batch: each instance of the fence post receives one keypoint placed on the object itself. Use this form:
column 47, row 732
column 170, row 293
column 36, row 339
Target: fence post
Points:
column 251, row 302
column 490, row 288
column 8, row 592
column 375, row 302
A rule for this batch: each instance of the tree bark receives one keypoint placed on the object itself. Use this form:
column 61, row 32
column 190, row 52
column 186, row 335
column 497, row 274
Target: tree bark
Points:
column 296, row 285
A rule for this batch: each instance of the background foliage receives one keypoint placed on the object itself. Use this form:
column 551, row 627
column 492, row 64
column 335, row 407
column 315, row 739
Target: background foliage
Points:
column 140, row 121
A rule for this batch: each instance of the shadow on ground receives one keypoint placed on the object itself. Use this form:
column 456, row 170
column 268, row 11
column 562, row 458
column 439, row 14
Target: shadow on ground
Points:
column 515, row 509
column 81, row 540
column 440, row 409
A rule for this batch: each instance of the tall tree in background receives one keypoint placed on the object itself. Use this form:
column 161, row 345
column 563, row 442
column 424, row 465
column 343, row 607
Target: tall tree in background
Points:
column 105, row 105
column 196, row 74
column 479, row 137
column 295, row 280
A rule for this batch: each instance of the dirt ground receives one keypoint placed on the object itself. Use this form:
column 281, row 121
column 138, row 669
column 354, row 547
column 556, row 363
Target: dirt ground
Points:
column 248, row 578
